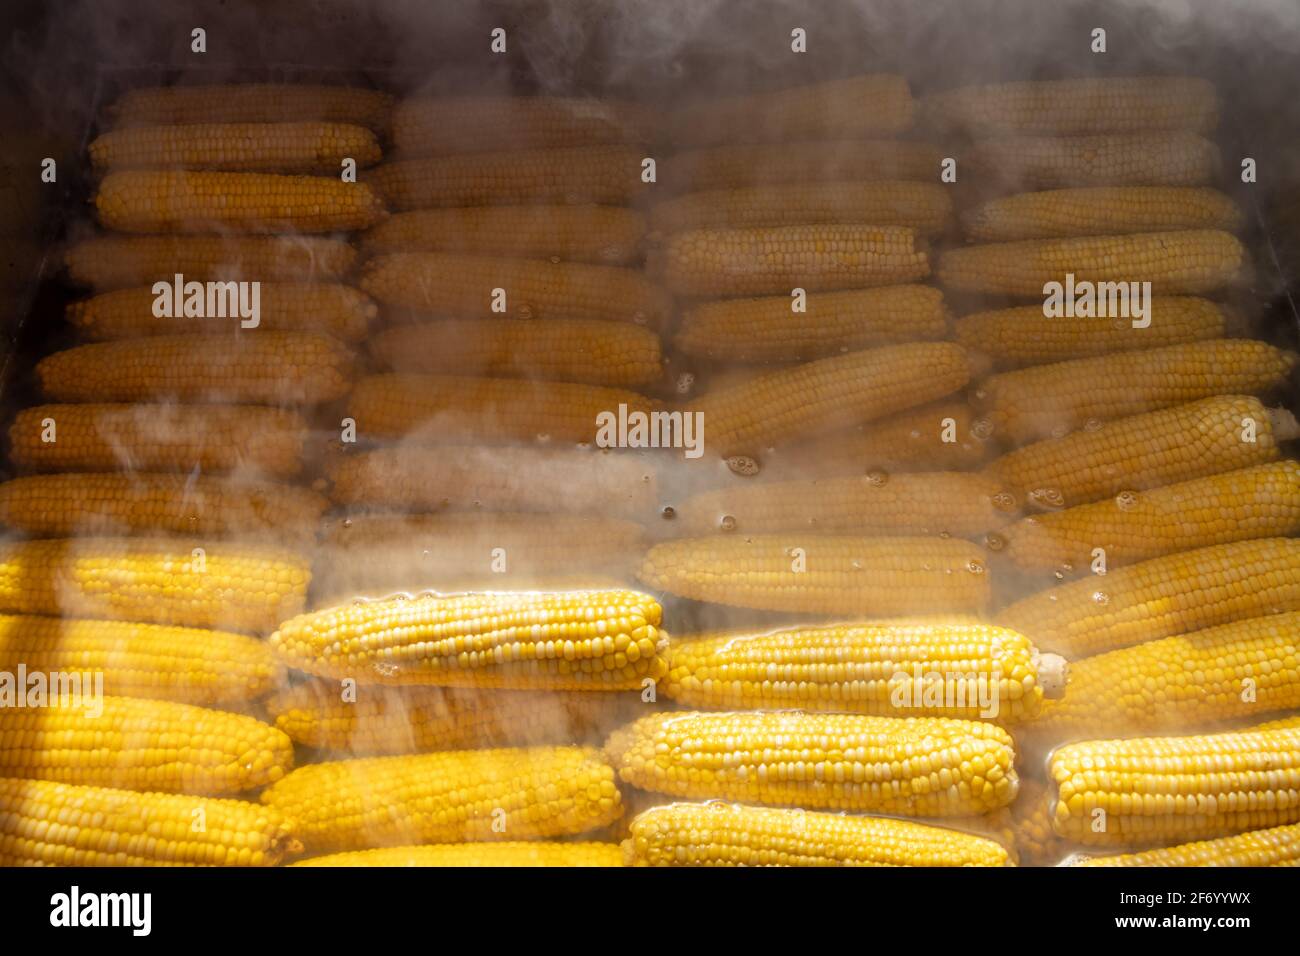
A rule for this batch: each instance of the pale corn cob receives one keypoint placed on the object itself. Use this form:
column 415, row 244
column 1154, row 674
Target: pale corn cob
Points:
column 1104, row 210
column 738, row 167
column 239, row 587
column 1274, row 846
column 213, row 438
column 605, row 235
column 331, row 308
column 183, row 664
column 43, row 823
column 764, row 260
column 918, row 766
column 1108, row 159
column 462, row 286
column 252, row 103
column 191, row 201
column 506, row 794
column 719, row 834
column 457, row 855
column 586, row 351
column 290, row 147
column 1030, row 820
column 1022, row 335
column 1050, row 400
column 768, row 330
column 139, row 744
column 259, row 367
column 1258, row 502
column 841, row 574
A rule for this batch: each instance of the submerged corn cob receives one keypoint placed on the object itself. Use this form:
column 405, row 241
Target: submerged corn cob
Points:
column 1104, row 210
column 1030, row 820
column 290, row 147
column 43, row 823
column 1108, row 159
column 921, row 766
column 822, row 574
column 535, row 853
column 252, row 103
column 1274, row 846
column 742, row 166
column 507, row 794
column 719, row 834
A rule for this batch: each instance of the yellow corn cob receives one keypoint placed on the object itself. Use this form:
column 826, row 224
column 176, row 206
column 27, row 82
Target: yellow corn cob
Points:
column 1108, row 159
column 270, row 367
column 829, row 393
column 1050, row 400
column 610, row 175
column 337, row 310
column 895, row 670
column 290, row 147
column 139, row 744
column 719, row 834
column 604, row 235
column 1170, row 789
column 43, row 823
column 1030, row 820
column 764, row 260
column 143, row 660
column 1105, row 210
column 741, row 166
column 507, row 794
column 768, row 330
column 457, row 855
column 213, row 438
column 1257, row 502
column 188, row 201
column 919, row 766
column 164, row 581
column 567, row 350
column 113, row 262
column 1275, row 846
column 841, row 574
column 922, row 206
column 252, row 103
column 877, row 104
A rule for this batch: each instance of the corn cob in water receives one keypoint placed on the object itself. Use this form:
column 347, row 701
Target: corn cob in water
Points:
column 1274, row 846
column 536, row 853
column 291, row 147
column 1103, row 159
column 1101, row 210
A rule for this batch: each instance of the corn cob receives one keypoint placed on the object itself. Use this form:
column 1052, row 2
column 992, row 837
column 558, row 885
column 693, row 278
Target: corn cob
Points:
column 458, row 855
column 337, row 310
column 1108, row 159
column 766, row 260
column 463, row 286
column 507, row 794
column 920, row 766
column 43, row 823
column 768, row 330
column 922, row 206
column 187, row 665
column 211, row 438
column 742, row 166
column 138, row 744
column 114, row 262
column 1257, row 502
column 719, row 834
column 268, row 367
column 188, row 201
column 1022, row 335
column 605, row 235
column 608, row 175
column 1050, row 400
column 1275, row 846
column 252, row 103
column 1030, row 819
column 292, row 147
column 1175, row 789
column 162, row 581
column 840, row 574
column 586, row 351
column 1103, row 210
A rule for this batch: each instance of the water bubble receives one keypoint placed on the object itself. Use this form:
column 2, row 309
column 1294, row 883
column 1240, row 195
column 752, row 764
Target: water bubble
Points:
column 347, row 522
column 1047, row 498
column 1126, row 500
column 877, row 477
column 611, row 253
column 1100, row 597
column 668, row 512
column 1058, row 431
column 945, row 535
column 1059, row 575
column 1052, row 598
column 1004, row 501
column 855, row 564
column 982, row 428
column 525, row 312
column 685, row 382
column 543, row 438
column 994, row 541
column 727, row 523
column 743, row 465
column 555, row 260
column 1092, row 424
column 640, row 318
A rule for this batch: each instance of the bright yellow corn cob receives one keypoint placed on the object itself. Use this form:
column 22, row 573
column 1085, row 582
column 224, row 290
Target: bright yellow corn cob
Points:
column 43, row 823
column 163, row 581
column 742, row 166
column 1173, row 789
column 457, row 855
column 190, row 201
column 1104, row 210
column 260, row 367
column 183, row 664
column 1275, row 846
column 213, row 438
column 337, row 310
column 139, row 744
column 1108, row 159
column 605, row 235
column 764, row 260
column 919, row 766
column 252, row 103
column 1050, row 400
column 768, row 330
column 587, row 351
column 720, row 834
column 1030, row 820
column 841, row 574
column 290, row 147
column 507, row 794
column 1258, row 502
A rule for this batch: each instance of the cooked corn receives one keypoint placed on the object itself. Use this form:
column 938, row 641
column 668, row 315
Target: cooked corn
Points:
column 1108, row 159
column 290, row 147
column 457, row 855
column 1104, row 210
column 742, row 166
column 252, row 103
column 1035, row 842
column 1275, row 846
